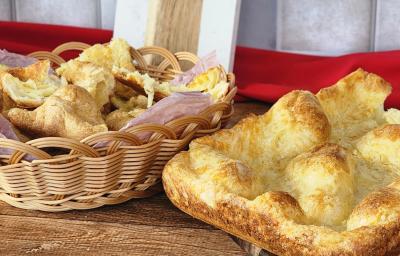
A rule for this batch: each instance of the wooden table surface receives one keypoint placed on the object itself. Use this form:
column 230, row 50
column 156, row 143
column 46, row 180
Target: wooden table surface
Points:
column 151, row 226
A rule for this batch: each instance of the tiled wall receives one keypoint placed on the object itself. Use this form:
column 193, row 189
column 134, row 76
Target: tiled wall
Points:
column 320, row 26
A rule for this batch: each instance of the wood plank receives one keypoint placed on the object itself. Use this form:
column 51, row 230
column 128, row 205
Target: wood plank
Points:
column 154, row 211
column 32, row 235
column 169, row 25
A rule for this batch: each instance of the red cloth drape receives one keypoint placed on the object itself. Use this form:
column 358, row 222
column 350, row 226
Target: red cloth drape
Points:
column 24, row 38
column 261, row 74
column 267, row 75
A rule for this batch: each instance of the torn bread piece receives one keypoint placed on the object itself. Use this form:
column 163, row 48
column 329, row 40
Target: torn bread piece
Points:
column 3, row 67
column 114, row 54
column 97, row 80
column 126, row 110
column 70, row 112
column 28, row 87
column 210, row 82
column 138, row 101
column 119, row 118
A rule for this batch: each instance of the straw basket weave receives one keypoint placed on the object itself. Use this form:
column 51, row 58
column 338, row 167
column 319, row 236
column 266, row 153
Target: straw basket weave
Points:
column 81, row 176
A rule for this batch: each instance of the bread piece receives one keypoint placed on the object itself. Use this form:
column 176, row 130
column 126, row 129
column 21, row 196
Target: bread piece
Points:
column 322, row 180
column 97, row 80
column 382, row 145
column 123, row 91
column 119, row 118
column 70, row 112
column 134, row 102
column 392, row 116
column 3, row 68
column 232, row 160
column 29, row 87
column 278, row 181
column 208, row 82
column 296, row 123
column 116, row 53
column 378, row 208
column 126, row 111
column 141, row 83
column 354, row 105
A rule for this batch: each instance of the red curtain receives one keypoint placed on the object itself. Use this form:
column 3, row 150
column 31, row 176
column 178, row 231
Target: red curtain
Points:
column 261, row 74
column 267, row 75
column 25, row 38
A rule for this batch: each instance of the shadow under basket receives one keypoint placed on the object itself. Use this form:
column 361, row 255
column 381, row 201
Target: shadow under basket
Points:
column 67, row 174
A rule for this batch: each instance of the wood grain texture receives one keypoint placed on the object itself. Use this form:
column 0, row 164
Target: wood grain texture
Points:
column 154, row 211
column 150, row 226
column 174, row 25
column 67, row 237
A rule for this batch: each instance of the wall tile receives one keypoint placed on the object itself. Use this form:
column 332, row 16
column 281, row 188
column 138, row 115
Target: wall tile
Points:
column 387, row 26
column 257, row 24
column 329, row 26
column 5, row 8
column 108, row 13
column 72, row 12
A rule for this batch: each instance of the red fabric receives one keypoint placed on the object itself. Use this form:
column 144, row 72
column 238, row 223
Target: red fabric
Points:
column 262, row 75
column 267, row 75
column 24, row 38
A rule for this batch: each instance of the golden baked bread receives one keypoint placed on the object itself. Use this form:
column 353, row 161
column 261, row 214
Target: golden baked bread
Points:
column 129, row 104
column 28, row 87
column 70, row 112
column 119, row 118
column 115, row 54
column 141, row 83
column 3, row 67
column 123, row 91
column 210, row 82
column 92, row 69
column 354, row 105
column 97, row 80
column 126, row 109
column 315, row 175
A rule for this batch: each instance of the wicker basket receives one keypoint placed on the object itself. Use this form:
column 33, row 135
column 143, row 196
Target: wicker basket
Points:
column 81, row 176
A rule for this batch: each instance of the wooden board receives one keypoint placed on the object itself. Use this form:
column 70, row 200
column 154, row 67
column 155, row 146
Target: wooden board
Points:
column 174, row 24
column 198, row 26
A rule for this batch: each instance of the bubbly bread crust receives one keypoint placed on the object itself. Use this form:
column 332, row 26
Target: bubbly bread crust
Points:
column 70, row 112
column 30, row 86
column 293, row 182
column 97, row 80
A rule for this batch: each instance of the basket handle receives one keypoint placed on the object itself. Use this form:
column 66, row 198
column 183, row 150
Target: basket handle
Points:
column 44, row 55
column 70, row 46
column 181, row 56
column 162, row 52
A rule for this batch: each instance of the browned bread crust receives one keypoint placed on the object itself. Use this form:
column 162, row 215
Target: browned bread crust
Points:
column 302, row 179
